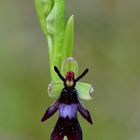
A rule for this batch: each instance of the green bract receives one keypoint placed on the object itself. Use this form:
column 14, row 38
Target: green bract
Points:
column 60, row 36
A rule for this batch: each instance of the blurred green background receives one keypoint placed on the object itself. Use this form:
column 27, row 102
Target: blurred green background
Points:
column 107, row 40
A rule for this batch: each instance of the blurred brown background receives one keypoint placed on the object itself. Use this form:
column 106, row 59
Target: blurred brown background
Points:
column 107, row 40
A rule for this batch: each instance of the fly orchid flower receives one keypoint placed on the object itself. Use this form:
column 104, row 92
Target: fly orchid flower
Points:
column 68, row 103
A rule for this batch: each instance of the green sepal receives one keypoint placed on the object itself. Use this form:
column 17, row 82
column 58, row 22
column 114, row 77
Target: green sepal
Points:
column 70, row 64
column 84, row 90
column 55, row 88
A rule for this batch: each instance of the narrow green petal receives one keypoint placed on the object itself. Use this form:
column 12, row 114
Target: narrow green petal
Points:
column 55, row 88
column 84, row 90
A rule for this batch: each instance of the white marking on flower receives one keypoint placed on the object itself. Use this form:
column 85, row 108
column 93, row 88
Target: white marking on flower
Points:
column 68, row 110
column 50, row 86
column 69, row 59
column 91, row 90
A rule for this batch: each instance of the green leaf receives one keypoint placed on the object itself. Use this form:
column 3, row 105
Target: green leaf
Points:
column 84, row 90
column 59, row 30
column 55, row 23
